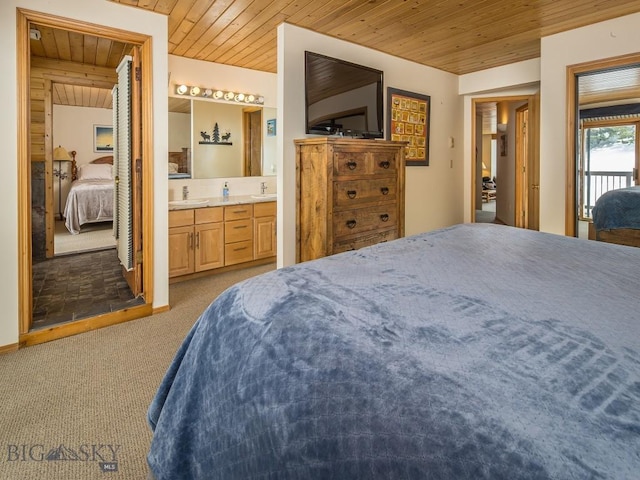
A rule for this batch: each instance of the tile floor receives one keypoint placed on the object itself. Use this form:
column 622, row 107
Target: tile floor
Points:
column 72, row 287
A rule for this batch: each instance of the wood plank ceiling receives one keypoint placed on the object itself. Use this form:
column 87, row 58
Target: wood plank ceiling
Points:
column 65, row 46
column 461, row 36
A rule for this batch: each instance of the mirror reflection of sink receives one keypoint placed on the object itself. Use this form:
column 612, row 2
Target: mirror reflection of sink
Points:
column 191, row 202
column 265, row 195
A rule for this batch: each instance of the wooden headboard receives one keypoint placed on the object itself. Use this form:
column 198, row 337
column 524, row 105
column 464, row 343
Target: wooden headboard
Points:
column 74, row 167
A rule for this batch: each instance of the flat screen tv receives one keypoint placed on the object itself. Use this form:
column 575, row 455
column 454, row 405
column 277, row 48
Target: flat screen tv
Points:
column 342, row 98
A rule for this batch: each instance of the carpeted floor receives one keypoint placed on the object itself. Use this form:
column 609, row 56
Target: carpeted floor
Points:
column 76, row 408
column 488, row 212
column 92, row 237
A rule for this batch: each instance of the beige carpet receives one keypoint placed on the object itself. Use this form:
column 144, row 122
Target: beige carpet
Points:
column 79, row 399
column 93, row 236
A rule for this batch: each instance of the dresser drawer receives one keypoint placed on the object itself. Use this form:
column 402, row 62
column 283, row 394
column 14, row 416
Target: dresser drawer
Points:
column 351, row 222
column 238, row 230
column 238, row 252
column 383, row 162
column 365, row 240
column 354, row 192
column 347, row 162
column 235, row 212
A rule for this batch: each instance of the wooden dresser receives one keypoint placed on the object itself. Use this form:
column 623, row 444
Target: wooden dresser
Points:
column 350, row 194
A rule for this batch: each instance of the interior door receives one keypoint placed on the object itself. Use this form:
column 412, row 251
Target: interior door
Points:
column 533, row 177
column 128, row 169
column 134, row 276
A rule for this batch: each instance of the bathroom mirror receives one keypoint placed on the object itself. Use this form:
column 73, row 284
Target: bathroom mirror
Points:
column 209, row 139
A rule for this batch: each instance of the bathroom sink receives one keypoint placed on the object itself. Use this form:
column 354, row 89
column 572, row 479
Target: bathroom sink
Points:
column 265, row 195
column 191, row 202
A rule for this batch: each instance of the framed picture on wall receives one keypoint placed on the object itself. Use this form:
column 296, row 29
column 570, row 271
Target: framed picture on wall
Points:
column 102, row 138
column 408, row 121
column 271, row 127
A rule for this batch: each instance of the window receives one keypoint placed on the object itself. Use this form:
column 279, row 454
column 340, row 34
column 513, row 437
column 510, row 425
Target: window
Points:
column 608, row 159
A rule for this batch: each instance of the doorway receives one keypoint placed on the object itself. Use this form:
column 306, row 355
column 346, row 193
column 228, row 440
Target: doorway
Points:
column 610, row 84
column 29, row 162
column 504, row 169
column 603, row 151
column 252, row 135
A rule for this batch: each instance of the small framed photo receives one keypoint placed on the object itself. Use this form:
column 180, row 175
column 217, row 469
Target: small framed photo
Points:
column 271, row 127
column 102, row 138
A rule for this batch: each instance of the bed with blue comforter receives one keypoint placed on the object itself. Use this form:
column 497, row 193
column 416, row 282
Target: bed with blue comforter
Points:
column 616, row 216
column 476, row 351
column 618, row 209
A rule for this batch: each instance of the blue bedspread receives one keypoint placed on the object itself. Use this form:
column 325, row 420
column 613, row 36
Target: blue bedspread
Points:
column 477, row 351
column 618, row 209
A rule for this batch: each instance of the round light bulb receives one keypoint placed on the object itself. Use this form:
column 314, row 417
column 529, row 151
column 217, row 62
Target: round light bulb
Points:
column 240, row 97
column 218, row 94
column 251, row 98
column 195, row 91
column 207, row 93
column 229, row 96
column 182, row 89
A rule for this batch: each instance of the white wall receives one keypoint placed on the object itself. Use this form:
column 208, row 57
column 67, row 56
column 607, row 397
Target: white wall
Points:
column 223, row 77
column 179, row 135
column 612, row 38
column 73, row 129
column 217, row 160
column 101, row 13
column 434, row 193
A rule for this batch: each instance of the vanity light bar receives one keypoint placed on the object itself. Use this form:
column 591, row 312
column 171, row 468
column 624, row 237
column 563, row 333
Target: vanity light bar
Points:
column 219, row 94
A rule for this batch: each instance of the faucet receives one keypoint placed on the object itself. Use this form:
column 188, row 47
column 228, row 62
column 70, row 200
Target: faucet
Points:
column 263, row 188
column 185, row 192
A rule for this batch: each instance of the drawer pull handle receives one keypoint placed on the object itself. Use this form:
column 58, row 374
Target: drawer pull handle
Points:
column 240, row 226
column 351, row 223
column 198, row 240
column 239, row 249
column 385, row 190
column 351, row 194
column 384, row 217
column 351, row 165
column 385, row 164
column 191, row 240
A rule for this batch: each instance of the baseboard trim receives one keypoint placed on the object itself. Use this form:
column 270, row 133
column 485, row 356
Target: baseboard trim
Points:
column 228, row 268
column 163, row 309
column 12, row 347
column 56, row 332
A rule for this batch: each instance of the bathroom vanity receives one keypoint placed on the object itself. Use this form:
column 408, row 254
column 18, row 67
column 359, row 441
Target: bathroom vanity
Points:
column 215, row 235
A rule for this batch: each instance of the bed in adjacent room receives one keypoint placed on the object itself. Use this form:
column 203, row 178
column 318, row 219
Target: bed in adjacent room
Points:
column 91, row 197
column 616, row 216
column 398, row 361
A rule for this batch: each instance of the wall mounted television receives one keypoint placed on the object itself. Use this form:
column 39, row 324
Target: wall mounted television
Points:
column 342, row 98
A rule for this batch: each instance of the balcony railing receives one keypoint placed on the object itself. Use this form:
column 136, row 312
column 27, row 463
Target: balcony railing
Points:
column 597, row 183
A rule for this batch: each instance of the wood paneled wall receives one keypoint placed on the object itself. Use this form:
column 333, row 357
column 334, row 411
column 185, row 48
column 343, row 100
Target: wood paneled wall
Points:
column 59, row 71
